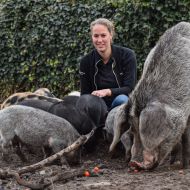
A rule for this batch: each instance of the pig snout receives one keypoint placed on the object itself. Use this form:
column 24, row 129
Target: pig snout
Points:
column 150, row 161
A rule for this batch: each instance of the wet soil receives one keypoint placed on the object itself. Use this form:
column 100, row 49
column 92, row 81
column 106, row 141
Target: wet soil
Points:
column 112, row 174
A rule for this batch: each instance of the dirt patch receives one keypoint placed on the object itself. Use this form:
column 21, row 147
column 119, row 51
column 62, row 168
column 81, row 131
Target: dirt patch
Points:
column 113, row 174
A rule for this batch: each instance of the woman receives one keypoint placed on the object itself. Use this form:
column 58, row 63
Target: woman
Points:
column 108, row 71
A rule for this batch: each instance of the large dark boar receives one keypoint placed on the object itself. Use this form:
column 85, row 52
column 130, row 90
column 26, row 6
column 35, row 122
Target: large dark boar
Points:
column 160, row 103
column 159, row 107
column 37, row 129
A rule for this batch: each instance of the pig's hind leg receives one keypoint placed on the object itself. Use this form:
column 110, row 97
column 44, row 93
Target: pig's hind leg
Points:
column 56, row 146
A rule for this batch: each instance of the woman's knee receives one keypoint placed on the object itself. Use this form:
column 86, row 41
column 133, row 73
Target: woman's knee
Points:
column 120, row 99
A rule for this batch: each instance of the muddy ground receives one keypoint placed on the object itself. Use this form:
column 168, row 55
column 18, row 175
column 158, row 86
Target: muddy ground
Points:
column 113, row 174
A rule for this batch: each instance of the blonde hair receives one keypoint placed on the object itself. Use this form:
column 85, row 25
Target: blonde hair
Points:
column 107, row 23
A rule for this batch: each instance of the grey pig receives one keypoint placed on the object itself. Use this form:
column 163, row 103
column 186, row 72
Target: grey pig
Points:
column 113, row 125
column 37, row 129
column 159, row 107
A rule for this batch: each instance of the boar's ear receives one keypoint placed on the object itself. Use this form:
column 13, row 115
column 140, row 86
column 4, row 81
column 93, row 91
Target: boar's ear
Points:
column 154, row 125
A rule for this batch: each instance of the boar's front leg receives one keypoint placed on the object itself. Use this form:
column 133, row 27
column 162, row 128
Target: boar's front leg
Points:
column 176, row 153
column 186, row 146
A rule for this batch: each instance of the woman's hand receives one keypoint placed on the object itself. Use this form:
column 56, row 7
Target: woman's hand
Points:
column 102, row 93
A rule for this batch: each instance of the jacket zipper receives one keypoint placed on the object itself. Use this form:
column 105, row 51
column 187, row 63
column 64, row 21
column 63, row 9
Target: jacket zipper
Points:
column 96, row 73
column 113, row 65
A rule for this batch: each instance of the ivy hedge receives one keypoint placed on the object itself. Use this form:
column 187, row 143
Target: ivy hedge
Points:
column 42, row 41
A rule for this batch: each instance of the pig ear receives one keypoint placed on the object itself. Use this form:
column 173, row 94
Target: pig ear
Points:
column 154, row 125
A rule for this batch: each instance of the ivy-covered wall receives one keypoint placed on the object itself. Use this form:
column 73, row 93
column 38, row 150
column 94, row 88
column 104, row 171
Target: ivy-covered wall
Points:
column 42, row 41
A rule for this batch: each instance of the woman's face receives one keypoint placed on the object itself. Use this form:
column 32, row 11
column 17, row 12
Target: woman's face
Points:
column 101, row 38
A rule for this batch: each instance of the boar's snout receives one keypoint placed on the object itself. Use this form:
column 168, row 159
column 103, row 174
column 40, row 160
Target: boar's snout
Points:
column 150, row 160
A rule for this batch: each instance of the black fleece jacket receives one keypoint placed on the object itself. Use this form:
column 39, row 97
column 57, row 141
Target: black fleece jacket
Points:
column 124, row 67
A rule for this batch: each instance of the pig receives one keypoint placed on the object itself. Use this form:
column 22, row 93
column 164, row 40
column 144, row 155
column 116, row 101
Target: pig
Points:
column 96, row 110
column 113, row 125
column 38, row 129
column 160, row 110
column 40, row 94
column 94, row 107
column 159, row 107
column 68, row 110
